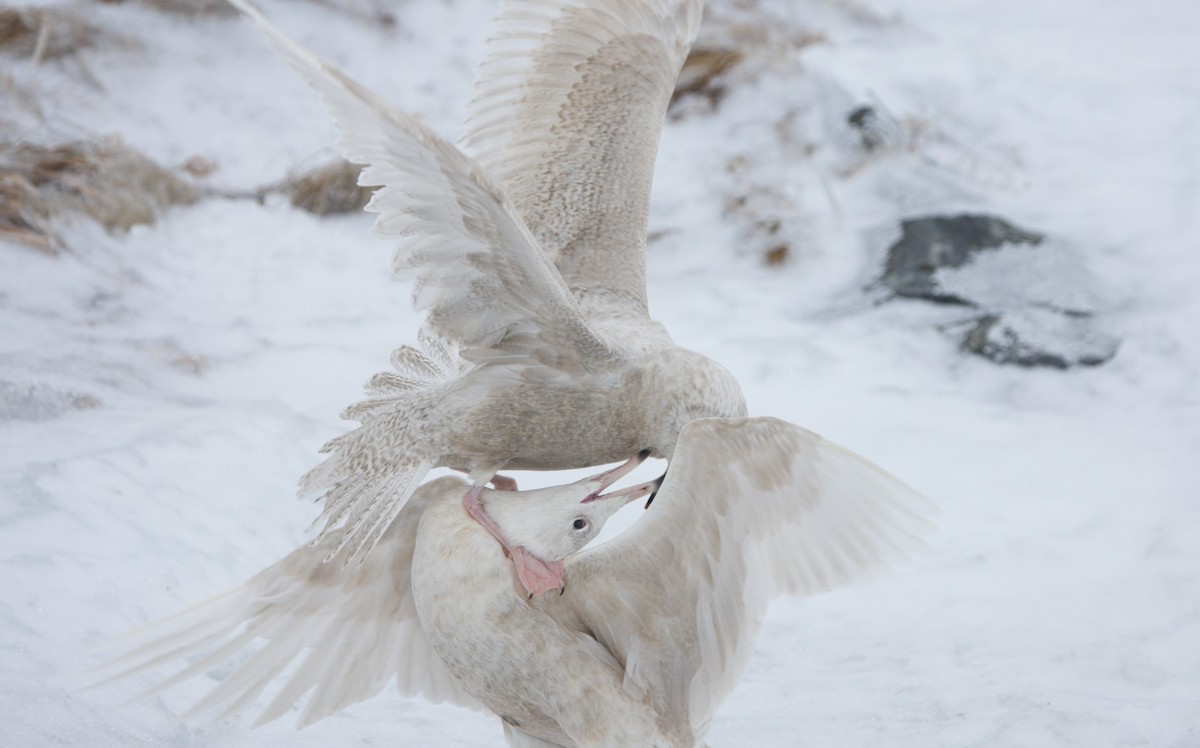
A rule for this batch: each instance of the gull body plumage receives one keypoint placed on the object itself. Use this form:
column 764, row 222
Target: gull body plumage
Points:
column 649, row 635
column 528, row 260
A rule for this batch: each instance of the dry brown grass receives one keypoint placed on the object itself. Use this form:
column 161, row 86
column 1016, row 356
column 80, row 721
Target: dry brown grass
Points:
column 102, row 179
column 329, row 189
column 376, row 11
column 777, row 255
column 762, row 214
column 702, row 72
column 186, row 7
column 42, row 33
column 733, row 51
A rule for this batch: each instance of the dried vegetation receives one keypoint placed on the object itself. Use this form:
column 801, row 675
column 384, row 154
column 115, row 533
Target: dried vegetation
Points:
column 42, row 33
column 329, row 189
column 742, row 42
column 703, row 72
column 103, row 179
column 763, row 213
column 186, row 7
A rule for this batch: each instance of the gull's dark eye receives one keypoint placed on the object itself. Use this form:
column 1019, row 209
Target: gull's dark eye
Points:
column 579, row 523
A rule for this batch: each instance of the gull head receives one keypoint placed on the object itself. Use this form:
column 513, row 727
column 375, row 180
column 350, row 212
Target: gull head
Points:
column 554, row 523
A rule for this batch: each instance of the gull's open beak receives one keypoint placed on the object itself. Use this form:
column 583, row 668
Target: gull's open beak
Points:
column 631, row 493
column 609, row 477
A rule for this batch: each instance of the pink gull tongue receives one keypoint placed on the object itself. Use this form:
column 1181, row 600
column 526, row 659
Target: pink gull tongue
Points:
column 536, row 575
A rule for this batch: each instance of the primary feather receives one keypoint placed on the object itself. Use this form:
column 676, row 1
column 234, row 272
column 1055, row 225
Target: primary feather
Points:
column 340, row 633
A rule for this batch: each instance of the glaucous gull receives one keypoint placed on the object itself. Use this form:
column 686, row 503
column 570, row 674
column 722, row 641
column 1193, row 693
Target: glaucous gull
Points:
column 649, row 635
column 528, row 260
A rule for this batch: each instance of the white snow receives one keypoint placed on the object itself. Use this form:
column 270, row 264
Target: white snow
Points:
column 161, row 391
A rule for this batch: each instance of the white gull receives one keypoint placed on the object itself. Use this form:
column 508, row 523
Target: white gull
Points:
column 529, row 261
column 649, row 635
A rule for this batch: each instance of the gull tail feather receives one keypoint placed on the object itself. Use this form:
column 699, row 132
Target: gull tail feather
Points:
column 366, row 507
column 365, row 529
column 373, row 470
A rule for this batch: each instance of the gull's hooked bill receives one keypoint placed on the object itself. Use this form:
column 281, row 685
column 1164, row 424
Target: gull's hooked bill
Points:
column 630, row 493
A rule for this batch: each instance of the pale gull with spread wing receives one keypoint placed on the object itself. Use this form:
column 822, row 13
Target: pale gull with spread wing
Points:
column 650, row 633
column 529, row 261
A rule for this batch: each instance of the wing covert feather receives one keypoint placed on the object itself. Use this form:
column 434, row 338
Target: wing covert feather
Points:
column 751, row 508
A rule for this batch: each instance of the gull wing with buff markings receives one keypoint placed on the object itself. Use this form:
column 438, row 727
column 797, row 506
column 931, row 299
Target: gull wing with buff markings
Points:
column 569, row 106
column 486, row 286
column 479, row 273
column 751, row 508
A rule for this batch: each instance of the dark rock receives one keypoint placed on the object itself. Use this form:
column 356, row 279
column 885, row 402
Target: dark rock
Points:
column 1037, row 301
column 869, row 126
column 931, row 243
column 1040, row 338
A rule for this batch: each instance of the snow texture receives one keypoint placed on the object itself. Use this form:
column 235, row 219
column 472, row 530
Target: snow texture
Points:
column 161, row 391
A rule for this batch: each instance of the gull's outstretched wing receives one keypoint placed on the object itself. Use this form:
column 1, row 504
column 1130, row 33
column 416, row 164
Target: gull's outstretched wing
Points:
column 751, row 508
column 355, row 628
column 480, row 275
column 569, row 106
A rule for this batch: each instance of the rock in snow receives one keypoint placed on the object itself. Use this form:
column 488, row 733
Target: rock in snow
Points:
column 1038, row 300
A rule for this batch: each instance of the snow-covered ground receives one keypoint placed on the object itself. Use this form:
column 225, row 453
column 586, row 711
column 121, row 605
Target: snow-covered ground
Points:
column 161, row 391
